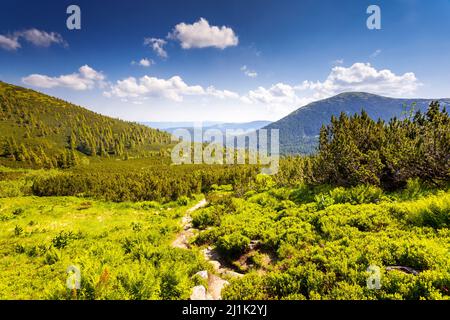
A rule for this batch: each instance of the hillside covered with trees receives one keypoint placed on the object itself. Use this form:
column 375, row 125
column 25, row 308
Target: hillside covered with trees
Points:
column 44, row 132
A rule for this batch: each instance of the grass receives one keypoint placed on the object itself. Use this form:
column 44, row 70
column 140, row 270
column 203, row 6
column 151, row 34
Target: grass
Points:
column 123, row 250
column 291, row 243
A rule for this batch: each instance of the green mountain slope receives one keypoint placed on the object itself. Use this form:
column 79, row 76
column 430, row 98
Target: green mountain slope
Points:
column 42, row 131
column 299, row 130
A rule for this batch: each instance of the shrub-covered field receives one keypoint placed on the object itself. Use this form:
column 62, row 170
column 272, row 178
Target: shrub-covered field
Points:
column 301, row 244
column 123, row 250
column 290, row 243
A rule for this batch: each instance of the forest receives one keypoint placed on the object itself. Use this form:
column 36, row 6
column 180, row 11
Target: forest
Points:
column 38, row 131
column 78, row 188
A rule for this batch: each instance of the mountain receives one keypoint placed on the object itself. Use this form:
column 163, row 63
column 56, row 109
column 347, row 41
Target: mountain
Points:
column 223, row 127
column 299, row 130
column 42, row 131
column 174, row 124
column 245, row 126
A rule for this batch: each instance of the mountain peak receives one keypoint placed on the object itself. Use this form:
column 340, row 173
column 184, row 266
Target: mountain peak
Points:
column 356, row 94
column 300, row 129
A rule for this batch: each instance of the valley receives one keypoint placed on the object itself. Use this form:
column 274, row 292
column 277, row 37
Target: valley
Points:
column 86, row 192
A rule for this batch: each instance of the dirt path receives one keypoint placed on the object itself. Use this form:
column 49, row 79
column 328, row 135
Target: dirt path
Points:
column 183, row 238
column 215, row 282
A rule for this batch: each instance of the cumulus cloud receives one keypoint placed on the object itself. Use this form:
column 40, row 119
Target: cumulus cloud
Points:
column 358, row 77
column 34, row 36
column 174, row 88
column 41, row 38
column 376, row 53
column 276, row 94
column 248, row 72
column 279, row 97
column 364, row 77
column 144, row 62
column 86, row 78
column 157, row 45
column 338, row 62
column 201, row 35
column 9, row 42
column 221, row 94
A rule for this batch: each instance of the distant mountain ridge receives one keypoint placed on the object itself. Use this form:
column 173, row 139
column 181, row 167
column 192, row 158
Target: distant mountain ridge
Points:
column 300, row 129
column 223, row 127
column 170, row 126
column 163, row 125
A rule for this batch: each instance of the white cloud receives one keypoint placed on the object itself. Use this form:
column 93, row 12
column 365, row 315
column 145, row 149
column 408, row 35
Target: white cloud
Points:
column 363, row 77
column 41, row 38
column 221, row 94
column 9, row 42
column 376, row 53
column 338, row 62
column 157, row 45
column 277, row 93
column 144, row 62
column 91, row 74
column 34, row 36
column 358, row 77
column 173, row 89
column 86, row 78
column 201, row 35
column 248, row 72
column 279, row 98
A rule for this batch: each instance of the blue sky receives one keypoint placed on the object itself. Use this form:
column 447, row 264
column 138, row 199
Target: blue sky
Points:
column 245, row 60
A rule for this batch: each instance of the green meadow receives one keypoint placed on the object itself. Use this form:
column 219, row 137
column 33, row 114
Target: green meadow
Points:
column 122, row 249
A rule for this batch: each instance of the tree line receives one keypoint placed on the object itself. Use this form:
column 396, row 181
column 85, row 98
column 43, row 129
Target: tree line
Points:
column 358, row 150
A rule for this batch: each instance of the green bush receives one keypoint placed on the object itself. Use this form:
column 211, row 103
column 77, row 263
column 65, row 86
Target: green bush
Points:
column 264, row 182
column 433, row 211
column 18, row 230
column 357, row 195
column 206, row 218
column 233, row 245
column 183, row 201
column 250, row 287
column 61, row 240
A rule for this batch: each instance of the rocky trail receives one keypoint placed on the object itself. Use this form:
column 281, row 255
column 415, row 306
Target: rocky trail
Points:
column 215, row 281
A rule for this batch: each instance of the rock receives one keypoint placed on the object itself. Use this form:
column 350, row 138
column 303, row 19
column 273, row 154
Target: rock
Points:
column 215, row 286
column 216, row 265
column 182, row 240
column 232, row 274
column 198, row 293
column 253, row 244
column 403, row 269
column 203, row 274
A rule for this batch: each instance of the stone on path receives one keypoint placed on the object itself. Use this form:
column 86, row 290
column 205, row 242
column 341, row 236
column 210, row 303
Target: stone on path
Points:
column 215, row 283
column 215, row 286
column 199, row 293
